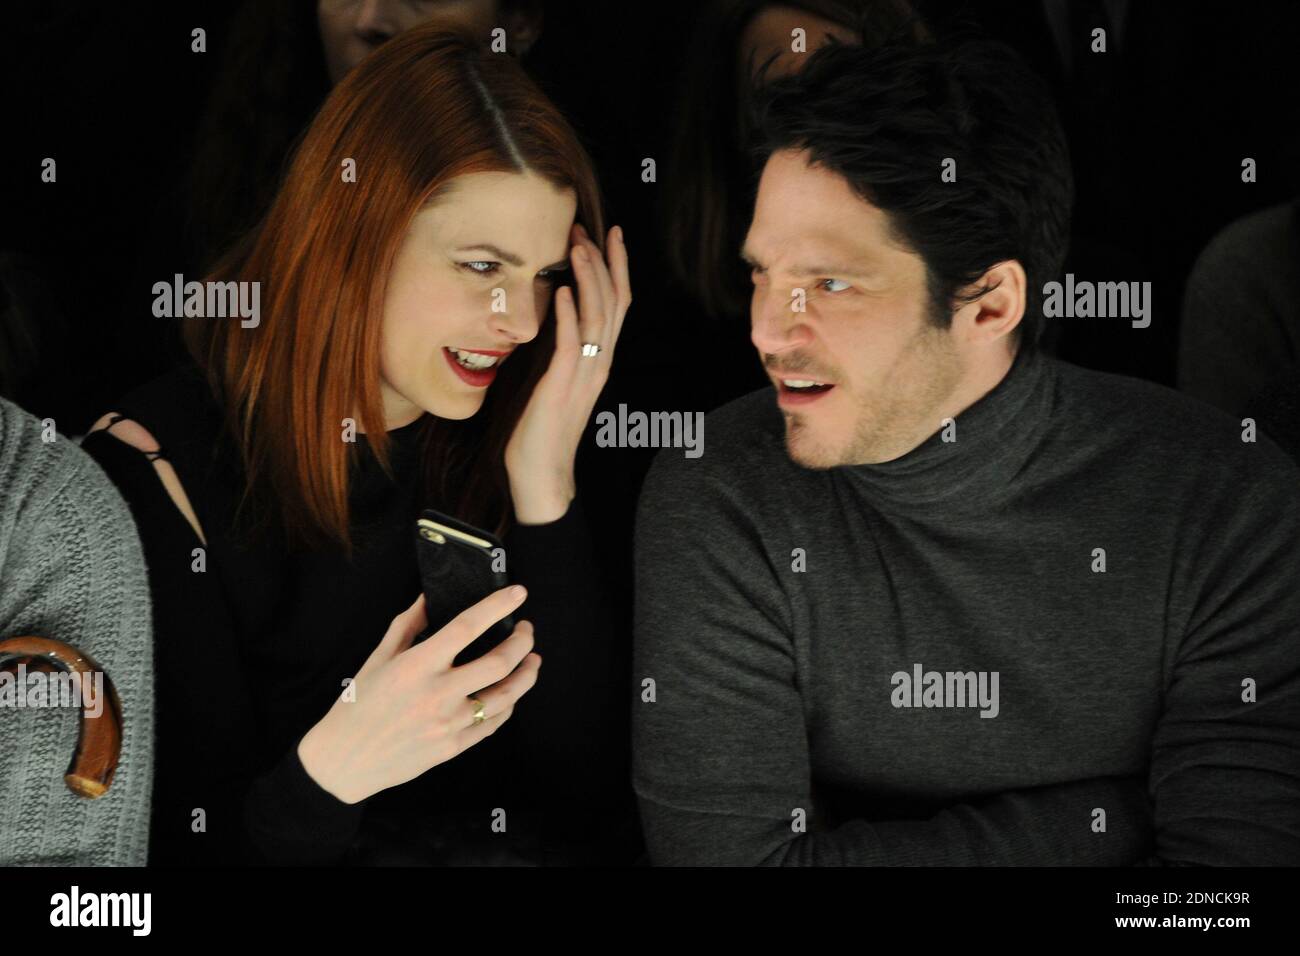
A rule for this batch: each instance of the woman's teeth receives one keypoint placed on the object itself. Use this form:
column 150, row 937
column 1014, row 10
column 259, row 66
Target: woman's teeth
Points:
column 473, row 359
column 800, row 383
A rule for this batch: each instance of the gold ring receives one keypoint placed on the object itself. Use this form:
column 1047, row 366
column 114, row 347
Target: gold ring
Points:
column 479, row 715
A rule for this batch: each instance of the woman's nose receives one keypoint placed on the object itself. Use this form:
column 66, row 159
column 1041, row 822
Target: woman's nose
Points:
column 517, row 318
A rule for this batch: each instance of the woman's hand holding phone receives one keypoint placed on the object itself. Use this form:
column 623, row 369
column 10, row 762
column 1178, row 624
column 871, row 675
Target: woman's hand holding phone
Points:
column 410, row 708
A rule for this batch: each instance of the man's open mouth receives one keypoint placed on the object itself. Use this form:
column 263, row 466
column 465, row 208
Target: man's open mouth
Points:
column 804, row 386
column 800, row 391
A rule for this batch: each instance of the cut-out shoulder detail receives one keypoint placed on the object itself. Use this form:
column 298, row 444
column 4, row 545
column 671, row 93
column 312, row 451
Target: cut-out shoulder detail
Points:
column 137, row 436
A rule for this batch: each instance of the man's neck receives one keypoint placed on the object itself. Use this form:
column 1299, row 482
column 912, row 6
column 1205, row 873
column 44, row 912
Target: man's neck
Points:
column 984, row 375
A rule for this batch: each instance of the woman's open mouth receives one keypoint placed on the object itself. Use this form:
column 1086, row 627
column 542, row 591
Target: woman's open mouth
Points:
column 475, row 368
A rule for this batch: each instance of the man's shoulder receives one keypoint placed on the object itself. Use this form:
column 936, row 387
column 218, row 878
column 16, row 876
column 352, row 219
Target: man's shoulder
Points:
column 744, row 475
column 1134, row 405
column 742, row 438
column 1144, row 424
column 740, row 422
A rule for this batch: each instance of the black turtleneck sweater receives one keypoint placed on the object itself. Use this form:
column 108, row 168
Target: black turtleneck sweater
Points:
column 822, row 644
column 253, row 651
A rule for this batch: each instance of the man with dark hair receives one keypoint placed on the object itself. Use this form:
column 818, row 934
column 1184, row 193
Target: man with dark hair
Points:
column 948, row 600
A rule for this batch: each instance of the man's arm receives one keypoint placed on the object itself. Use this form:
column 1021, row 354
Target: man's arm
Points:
column 1225, row 764
column 721, row 756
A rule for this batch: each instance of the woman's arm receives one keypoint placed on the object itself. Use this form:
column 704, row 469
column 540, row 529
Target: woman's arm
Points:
column 575, row 725
column 213, row 802
column 219, row 798
column 576, row 731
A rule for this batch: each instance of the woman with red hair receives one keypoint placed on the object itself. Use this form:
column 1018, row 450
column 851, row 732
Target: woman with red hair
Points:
column 414, row 347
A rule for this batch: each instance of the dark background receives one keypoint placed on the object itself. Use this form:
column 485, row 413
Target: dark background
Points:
column 113, row 93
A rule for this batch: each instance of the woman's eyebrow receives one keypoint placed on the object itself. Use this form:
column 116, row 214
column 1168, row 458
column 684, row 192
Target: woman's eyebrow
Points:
column 507, row 257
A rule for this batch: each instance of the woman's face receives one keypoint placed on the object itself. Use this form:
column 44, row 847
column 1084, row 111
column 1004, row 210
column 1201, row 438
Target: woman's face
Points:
column 351, row 29
column 472, row 280
column 770, row 35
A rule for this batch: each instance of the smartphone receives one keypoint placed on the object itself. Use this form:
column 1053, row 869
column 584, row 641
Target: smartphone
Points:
column 459, row 566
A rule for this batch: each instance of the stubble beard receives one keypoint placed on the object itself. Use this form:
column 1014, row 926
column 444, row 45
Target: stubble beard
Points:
column 895, row 418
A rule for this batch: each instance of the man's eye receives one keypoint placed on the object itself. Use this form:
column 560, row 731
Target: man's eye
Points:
column 833, row 285
column 481, row 266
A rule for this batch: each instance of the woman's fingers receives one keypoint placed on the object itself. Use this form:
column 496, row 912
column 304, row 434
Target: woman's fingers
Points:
column 622, row 282
column 600, row 271
column 591, row 302
column 496, row 665
column 567, row 340
column 500, row 696
column 468, row 737
column 401, row 632
column 499, row 703
column 441, row 649
column 611, row 273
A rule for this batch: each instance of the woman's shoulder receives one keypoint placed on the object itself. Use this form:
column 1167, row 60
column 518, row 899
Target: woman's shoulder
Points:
column 174, row 423
column 177, row 408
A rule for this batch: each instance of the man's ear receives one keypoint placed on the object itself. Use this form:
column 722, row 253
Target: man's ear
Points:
column 523, row 23
column 999, row 309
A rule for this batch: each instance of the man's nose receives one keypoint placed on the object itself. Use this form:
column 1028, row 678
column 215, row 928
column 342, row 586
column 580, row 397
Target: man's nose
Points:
column 775, row 326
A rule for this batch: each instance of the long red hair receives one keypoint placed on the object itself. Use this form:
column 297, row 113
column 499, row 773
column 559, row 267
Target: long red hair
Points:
column 424, row 108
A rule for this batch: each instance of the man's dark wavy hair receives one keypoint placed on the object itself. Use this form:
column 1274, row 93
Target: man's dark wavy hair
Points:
column 886, row 119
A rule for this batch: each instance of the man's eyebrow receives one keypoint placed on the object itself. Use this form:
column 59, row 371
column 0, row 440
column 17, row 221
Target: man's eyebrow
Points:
column 830, row 269
column 848, row 272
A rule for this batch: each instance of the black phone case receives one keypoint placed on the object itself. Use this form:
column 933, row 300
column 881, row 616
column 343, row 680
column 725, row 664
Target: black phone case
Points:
column 455, row 574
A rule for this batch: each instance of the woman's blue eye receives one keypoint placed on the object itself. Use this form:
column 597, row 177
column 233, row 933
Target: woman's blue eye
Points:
column 481, row 266
column 827, row 285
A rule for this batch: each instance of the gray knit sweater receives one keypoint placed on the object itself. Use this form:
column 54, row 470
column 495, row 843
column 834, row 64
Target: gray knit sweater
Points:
column 71, row 569
column 1070, row 636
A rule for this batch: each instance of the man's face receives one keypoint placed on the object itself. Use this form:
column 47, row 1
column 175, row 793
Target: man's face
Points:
column 883, row 371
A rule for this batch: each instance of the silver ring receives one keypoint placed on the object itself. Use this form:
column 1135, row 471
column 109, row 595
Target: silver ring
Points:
column 590, row 349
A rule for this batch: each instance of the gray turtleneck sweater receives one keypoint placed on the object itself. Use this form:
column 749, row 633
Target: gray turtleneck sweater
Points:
column 1070, row 636
column 71, row 569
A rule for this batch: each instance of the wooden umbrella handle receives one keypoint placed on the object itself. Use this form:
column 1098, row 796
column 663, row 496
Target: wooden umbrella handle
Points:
column 99, row 742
